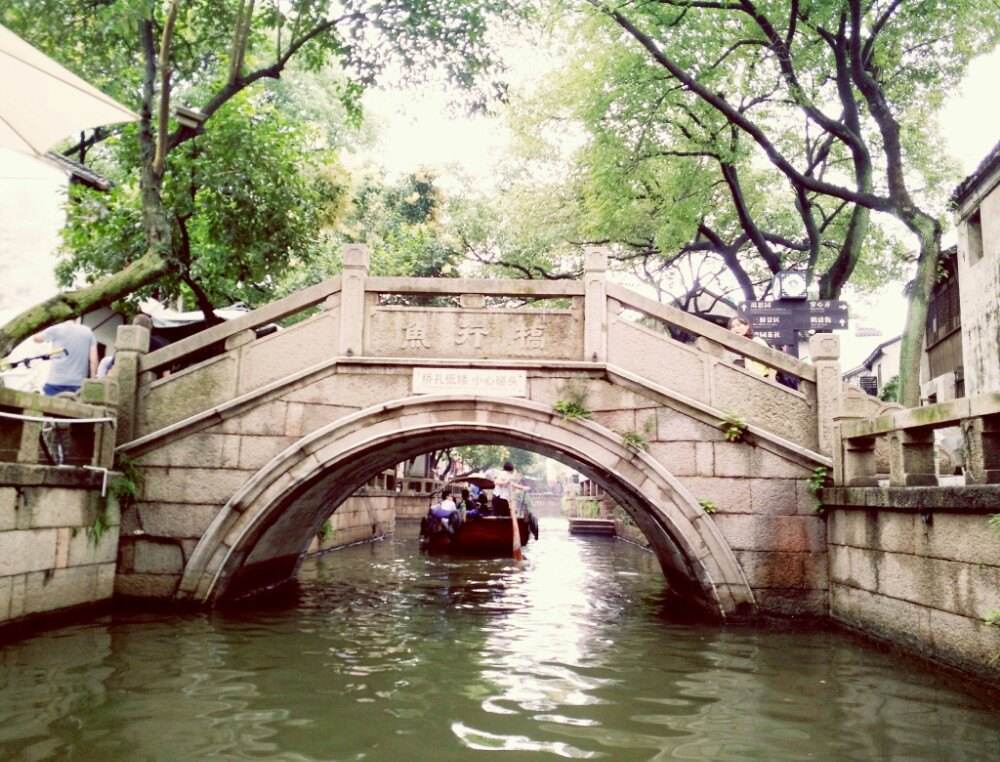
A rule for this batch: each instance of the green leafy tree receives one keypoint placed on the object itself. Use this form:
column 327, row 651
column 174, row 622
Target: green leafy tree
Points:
column 204, row 54
column 862, row 80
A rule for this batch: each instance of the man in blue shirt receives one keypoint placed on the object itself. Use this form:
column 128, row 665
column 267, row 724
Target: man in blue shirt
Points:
column 78, row 361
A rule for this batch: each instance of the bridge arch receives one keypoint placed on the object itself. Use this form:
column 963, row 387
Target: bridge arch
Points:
column 263, row 529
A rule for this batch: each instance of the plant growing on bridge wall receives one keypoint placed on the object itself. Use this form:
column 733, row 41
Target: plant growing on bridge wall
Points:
column 634, row 440
column 994, row 522
column 734, row 427
column 818, row 479
column 325, row 531
column 992, row 618
column 573, row 405
column 708, row 506
column 124, row 488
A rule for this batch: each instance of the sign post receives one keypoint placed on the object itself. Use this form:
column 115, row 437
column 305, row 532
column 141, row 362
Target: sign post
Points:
column 779, row 321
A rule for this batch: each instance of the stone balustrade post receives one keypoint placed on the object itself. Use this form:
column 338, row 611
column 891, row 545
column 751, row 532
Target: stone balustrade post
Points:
column 595, row 304
column 103, row 392
column 981, row 436
column 854, row 462
column 352, row 300
column 131, row 342
column 29, row 448
column 824, row 349
column 911, row 458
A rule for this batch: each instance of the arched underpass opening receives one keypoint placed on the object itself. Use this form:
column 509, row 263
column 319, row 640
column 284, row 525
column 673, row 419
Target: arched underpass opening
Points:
column 259, row 536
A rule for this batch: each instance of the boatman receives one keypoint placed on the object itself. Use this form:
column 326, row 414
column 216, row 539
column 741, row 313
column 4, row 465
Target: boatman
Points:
column 506, row 484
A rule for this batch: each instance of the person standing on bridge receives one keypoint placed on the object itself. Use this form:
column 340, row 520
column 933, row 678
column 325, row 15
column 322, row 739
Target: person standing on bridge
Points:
column 741, row 327
column 78, row 360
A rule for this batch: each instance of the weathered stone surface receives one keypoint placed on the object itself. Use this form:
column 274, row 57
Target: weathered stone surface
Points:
column 205, row 450
column 59, row 589
column 186, row 393
column 784, row 570
column 267, row 419
column 191, row 485
column 9, row 506
column 83, row 551
column 792, row 602
column 729, row 495
column 304, row 418
column 162, row 557
column 256, row 451
column 677, row 457
column 732, row 459
column 673, row 425
column 764, row 403
column 797, row 534
column 965, row 589
column 54, row 507
column 657, row 357
column 146, row 585
column 853, row 567
column 774, row 496
column 771, row 465
column 27, row 551
column 620, row 421
column 180, row 520
column 285, row 352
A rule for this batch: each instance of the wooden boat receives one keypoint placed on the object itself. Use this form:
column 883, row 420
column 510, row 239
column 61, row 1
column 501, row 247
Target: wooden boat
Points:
column 484, row 536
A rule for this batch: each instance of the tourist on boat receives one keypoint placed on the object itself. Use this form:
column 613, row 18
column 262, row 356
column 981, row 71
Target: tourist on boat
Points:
column 741, row 327
column 506, row 484
column 446, row 512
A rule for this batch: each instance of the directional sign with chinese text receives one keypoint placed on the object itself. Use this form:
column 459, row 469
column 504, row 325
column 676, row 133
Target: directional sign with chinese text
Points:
column 777, row 321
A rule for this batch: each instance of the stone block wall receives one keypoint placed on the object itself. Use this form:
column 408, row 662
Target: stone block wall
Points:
column 49, row 561
column 919, row 567
column 362, row 517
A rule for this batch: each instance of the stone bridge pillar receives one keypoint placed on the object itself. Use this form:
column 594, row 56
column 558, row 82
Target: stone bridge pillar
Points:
column 131, row 341
column 824, row 349
column 352, row 301
column 595, row 305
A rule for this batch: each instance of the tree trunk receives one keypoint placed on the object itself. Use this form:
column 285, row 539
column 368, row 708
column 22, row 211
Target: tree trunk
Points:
column 928, row 230
column 71, row 304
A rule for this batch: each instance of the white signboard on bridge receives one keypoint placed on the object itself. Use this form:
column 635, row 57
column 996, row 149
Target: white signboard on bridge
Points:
column 492, row 383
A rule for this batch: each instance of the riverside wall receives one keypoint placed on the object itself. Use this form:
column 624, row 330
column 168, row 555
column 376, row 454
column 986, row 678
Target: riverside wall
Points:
column 51, row 559
column 919, row 567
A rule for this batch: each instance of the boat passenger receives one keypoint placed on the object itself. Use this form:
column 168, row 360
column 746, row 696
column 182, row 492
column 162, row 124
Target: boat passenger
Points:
column 447, row 511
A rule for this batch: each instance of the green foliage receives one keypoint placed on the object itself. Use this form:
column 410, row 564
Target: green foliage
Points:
column 992, row 618
column 818, row 479
column 994, row 522
column 588, row 509
column 484, row 457
column 734, row 427
column 633, row 440
column 890, row 390
column 325, row 531
column 572, row 406
column 124, row 488
column 708, row 506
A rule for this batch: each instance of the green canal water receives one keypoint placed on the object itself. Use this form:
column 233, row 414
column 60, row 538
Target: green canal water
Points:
column 380, row 653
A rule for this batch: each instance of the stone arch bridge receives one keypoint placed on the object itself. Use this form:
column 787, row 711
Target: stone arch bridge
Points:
column 247, row 445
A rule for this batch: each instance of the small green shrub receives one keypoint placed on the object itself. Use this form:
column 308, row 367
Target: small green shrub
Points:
column 818, row 479
column 124, row 488
column 326, row 531
column 994, row 522
column 633, row 440
column 708, row 506
column 570, row 410
column 992, row 618
column 588, row 509
column 734, row 427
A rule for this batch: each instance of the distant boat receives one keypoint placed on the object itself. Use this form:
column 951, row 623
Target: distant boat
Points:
column 484, row 536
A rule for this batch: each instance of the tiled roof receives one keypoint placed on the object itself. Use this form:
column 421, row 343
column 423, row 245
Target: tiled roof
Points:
column 986, row 166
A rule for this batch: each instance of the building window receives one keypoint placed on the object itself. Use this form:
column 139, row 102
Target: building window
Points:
column 974, row 237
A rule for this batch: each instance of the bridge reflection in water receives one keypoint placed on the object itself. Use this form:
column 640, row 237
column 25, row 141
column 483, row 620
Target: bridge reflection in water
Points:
column 382, row 653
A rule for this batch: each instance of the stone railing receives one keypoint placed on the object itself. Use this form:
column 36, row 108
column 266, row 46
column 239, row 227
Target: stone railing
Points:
column 909, row 438
column 456, row 320
column 40, row 430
